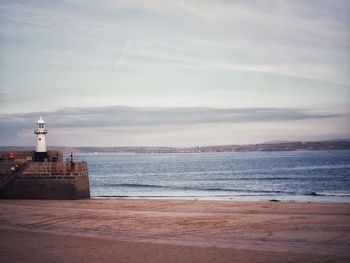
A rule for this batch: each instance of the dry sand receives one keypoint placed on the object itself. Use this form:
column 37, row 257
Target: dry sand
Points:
column 173, row 231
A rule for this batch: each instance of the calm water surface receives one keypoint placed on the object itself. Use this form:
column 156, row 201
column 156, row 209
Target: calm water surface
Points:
column 300, row 176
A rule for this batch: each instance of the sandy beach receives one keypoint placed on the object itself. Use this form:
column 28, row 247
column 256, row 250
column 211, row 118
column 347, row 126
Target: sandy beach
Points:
column 102, row 230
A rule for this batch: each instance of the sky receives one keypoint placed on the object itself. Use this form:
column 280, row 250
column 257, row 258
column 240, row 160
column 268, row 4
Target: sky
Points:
column 174, row 73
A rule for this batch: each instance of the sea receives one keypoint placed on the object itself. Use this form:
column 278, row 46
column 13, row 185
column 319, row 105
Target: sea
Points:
column 315, row 176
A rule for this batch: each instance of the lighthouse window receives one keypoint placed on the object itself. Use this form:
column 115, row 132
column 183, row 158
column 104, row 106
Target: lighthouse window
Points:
column 39, row 139
column 41, row 125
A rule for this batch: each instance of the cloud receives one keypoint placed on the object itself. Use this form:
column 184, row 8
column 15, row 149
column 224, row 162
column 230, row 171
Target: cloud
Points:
column 125, row 116
column 295, row 39
column 177, row 126
column 141, row 52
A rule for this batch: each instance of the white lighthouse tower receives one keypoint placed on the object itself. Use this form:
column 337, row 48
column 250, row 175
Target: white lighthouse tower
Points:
column 40, row 131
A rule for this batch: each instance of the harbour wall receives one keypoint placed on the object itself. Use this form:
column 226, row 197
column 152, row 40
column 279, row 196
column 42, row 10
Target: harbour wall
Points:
column 44, row 180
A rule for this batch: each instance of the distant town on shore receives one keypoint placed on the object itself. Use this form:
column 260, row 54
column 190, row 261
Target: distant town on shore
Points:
column 279, row 146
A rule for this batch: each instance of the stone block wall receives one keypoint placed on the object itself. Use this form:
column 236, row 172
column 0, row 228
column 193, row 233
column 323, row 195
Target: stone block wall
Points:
column 50, row 180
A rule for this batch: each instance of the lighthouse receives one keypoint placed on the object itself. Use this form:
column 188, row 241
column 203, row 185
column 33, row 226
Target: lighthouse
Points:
column 40, row 131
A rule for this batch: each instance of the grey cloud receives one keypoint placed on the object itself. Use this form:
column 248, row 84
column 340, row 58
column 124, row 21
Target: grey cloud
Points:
column 125, row 116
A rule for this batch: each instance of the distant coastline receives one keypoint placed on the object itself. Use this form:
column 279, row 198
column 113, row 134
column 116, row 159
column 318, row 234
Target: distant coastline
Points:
column 283, row 146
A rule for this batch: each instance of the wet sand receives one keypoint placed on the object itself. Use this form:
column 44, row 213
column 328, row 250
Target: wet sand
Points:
column 173, row 231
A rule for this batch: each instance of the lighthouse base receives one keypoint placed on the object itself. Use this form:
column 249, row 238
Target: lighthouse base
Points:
column 41, row 156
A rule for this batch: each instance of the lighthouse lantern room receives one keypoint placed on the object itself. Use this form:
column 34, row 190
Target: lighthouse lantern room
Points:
column 40, row 131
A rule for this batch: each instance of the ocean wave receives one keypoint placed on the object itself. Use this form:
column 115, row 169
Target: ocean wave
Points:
column 187, row 188
column 252, row 179
column 239, row 190
column 135, row 185
column 329, row 194
column 235, row 191
column 225, row 194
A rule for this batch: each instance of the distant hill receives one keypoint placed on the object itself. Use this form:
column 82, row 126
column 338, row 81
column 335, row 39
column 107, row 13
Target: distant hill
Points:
column 282, row 146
